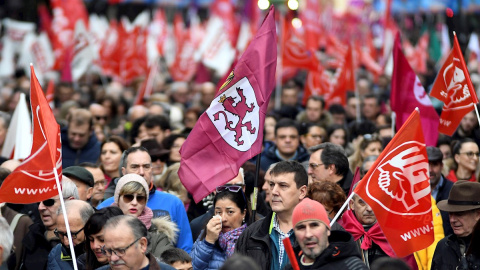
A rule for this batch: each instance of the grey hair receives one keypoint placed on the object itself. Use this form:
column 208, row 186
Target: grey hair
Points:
column 6, row 238
column 69, row 189
column 136, row 226
column 82, row 207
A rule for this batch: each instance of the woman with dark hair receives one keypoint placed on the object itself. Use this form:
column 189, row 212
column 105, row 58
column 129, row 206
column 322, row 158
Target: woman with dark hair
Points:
column 217, row 241
column 111, row 152
column 465, row 156
column 337, row 134
column 93, row 257
column 173, row 143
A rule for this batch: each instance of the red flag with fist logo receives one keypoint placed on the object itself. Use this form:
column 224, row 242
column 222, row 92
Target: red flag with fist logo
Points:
column 454, row 87
column 397, row 188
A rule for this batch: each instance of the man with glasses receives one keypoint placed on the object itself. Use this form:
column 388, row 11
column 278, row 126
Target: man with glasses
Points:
column 78, row 213
column 126, row 245
column 40, row 238
column 99, row 183
column 137, row 160
column 79, row 143
column 328, row 162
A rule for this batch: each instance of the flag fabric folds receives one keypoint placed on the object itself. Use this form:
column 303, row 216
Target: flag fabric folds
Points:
column 34, row 179
column 407, row 93
column 18, row 141
column 230, row 131
column 397, row 188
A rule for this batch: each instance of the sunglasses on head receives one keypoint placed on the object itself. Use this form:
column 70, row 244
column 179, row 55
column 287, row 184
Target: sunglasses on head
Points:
column 141, row 199
column 233, row 188
column 49, row 202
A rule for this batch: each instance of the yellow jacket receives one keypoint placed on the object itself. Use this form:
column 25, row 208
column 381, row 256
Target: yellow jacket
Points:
column 424, row 256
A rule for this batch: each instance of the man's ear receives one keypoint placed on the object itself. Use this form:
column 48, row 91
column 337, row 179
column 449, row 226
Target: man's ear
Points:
column 123, row 170
column 303, row 192
column 332, row 170
column 143, row 244
column 303, row 139
column 89, row 192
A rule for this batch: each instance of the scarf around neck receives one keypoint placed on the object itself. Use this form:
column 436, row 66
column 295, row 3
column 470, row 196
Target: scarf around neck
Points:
column 227, row 240
column 145, row 217
column 375, row 234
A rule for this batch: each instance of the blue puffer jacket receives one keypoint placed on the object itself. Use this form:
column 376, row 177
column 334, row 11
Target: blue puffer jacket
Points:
column 57, row 259
column 206, row 256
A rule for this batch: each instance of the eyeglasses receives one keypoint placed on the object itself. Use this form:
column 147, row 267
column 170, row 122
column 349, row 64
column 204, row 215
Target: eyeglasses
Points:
column 141, row 199
column 471, row 154
column 118, row 251
column 314, row 166
column 98, row 117
column 49, row 202
column 61, row 234
column 100, row 183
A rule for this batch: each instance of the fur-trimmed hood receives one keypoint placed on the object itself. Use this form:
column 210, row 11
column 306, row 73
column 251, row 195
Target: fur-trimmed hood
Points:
column 166, row 226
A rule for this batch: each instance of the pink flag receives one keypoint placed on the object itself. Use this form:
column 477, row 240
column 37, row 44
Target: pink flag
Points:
column 408, row 93
column 34, row 179
column 230, row 131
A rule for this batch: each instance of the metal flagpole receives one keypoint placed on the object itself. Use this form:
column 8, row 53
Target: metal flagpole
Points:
column 69, row 234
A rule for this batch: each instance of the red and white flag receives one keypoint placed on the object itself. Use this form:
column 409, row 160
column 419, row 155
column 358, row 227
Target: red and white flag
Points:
column 397, row 188
column 37, row 50
column 15, row 32
column 230, row 131
column 407, row 93
column 18, row 141
column 84, row 53
column 34, row 179
column 454, row 88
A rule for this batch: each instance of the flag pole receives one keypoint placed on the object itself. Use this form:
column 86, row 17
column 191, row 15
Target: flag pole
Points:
column 476, row 111
column 394, row 119
column 255, row 188
column 65, row 218
column 339, row 213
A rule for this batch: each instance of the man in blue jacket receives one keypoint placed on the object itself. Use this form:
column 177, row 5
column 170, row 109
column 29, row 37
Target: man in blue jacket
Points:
column 79, row 143
column 137, row 160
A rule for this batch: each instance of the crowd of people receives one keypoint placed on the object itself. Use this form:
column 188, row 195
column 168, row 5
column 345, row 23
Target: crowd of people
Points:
column 126, row 207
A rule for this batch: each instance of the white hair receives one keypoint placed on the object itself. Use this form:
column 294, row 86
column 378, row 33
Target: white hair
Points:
column 6, row 238
column 69, row 189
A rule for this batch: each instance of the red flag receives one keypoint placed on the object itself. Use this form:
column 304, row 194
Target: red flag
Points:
column 310, row 17
column 454, row 87
column 344, row 81
column 50, row 95
column 397, row 188
column 356, row 179
column 184, row 66
column 408, row 93
column 34, row 179
column 318, row 83
column 230, row 131
column 146, row 87
column 294, row 52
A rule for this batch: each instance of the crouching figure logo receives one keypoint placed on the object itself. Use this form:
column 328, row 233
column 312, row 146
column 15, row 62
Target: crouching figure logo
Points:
column 235, row 115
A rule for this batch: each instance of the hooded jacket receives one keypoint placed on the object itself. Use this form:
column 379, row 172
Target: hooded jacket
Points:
column 341, row 253
column 162, row 236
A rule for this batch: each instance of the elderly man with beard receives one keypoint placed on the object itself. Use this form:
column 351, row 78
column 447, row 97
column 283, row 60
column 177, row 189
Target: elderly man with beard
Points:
column 78, row 213
column 318, row 247
column 361, row 222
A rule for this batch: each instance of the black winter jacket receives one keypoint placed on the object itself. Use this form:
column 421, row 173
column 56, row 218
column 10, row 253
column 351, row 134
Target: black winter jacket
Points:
column 269, row 156
column 341, row 253
column 448, row 255
column 36, row 248
column 255, row 242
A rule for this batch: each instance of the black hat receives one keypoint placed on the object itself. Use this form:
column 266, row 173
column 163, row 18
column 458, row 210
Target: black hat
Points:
column 155, row 150
column 79, row 173
column 434, row 154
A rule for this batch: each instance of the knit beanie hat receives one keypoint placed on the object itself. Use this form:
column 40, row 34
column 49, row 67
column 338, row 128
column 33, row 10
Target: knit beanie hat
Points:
column 131, row 177
column 309, row 209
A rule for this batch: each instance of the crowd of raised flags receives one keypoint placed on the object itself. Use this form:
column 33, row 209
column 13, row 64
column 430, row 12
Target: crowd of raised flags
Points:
column 213, row 152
